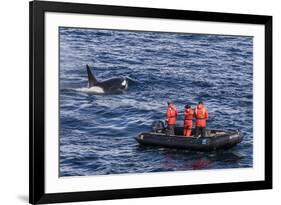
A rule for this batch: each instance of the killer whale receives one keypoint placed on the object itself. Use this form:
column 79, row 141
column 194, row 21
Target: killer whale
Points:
column 117, row 84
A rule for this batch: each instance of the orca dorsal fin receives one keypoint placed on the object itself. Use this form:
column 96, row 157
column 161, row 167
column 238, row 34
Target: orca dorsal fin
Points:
column 91, row 78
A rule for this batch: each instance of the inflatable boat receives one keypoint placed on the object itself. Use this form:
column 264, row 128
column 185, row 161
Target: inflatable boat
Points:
column 214, row 139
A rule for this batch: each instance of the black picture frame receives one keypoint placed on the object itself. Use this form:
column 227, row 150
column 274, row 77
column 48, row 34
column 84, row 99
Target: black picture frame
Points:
column 37, row 9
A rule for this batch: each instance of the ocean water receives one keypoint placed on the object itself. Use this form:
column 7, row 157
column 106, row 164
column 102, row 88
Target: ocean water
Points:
column 97, row 130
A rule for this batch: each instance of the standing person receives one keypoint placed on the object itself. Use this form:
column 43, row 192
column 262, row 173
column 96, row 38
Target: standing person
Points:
column 201, row 115
column 187, row 125
column 171, row 118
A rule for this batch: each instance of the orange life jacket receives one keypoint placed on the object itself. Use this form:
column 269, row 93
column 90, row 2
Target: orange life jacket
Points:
column 188, row 115
column 201, row 114
column 171, row 115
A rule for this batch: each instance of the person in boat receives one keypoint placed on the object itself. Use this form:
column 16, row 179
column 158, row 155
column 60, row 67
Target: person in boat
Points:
column 171, row 118
column 201, row 115
column 187, row 125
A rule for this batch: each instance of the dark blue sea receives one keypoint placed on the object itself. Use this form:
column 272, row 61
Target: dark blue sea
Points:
column 97, row 130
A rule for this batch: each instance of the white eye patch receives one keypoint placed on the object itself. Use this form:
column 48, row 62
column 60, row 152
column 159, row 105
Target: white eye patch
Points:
column 124, row 83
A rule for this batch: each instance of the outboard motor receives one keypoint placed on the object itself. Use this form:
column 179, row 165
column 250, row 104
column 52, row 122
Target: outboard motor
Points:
column 158, row 127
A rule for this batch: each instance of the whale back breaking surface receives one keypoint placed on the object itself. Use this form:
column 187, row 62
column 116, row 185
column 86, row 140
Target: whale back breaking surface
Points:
column 112, row 84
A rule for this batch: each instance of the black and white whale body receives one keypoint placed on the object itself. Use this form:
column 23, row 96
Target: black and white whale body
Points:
column 112, row 85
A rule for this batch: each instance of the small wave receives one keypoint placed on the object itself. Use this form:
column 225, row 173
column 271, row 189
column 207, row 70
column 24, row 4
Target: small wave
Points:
column 131, row 79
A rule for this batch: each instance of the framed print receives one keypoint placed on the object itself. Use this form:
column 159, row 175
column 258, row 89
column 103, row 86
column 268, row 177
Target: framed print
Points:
column 140, row 102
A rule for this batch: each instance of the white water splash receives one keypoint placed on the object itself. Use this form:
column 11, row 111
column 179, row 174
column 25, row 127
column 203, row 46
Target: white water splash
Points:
column 93, row 89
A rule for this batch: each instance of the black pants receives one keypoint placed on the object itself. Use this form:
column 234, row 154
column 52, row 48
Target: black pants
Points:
column 171, row 130
column 200, row 131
